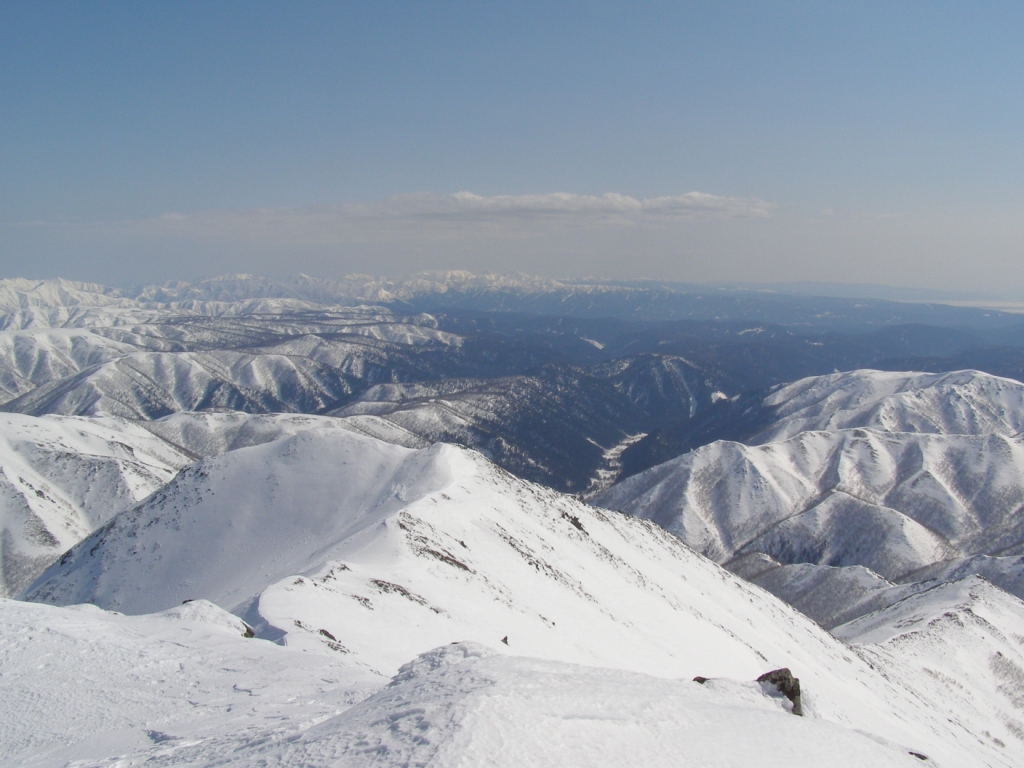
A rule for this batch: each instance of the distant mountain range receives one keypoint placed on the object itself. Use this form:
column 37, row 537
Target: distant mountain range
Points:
column 909, row 476
column 461, row 519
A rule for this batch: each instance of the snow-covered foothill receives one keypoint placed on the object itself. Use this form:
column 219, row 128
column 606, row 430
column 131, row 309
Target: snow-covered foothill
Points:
column 891, row 502
column 955, row 403
column 958, row 637
column 61, row 477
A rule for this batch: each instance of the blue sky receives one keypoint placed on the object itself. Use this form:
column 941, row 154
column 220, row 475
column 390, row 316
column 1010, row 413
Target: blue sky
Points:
column 863, row 142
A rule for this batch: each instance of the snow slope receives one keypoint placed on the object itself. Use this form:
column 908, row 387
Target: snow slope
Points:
column 184, row 687
column 463, row 705
column 956, row 403
column 938, row 639
column 893, row 503
column 371, row 553
column 82, row 684
column 62, row 477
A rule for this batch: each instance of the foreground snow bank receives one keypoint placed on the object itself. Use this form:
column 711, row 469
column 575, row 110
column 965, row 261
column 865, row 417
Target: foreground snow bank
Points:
column 80, row 683
column 184, row 687
column 461, row 705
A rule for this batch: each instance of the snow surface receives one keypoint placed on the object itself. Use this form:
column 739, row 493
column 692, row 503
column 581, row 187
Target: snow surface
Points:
column 893, row 503
column 960, row 403
column 462, row 705
column 371, row 554
column 185, row 688
column 82, row 685
column 62, row 477
column 963, row 635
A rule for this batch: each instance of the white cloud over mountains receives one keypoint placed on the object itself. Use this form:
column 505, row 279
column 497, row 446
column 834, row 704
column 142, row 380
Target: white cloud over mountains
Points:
column 691, row 237
column 611, row 205
column 433, row 215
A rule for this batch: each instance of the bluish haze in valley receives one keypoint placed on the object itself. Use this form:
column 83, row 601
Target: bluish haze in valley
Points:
column 755, row 142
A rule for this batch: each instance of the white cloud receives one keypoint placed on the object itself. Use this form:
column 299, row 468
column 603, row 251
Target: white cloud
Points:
column 466, row 206
column 427, row 216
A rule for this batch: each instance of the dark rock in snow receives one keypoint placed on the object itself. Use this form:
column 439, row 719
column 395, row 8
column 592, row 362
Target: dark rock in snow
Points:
column 786, row 684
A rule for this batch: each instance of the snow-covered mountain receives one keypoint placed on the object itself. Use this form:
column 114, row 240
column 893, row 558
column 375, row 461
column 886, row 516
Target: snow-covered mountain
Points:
column 67, row 370
column 190, row 462
column 892, row 502
column 865, row 479
column 372, row 554
column 956, row 403
column 62, row 477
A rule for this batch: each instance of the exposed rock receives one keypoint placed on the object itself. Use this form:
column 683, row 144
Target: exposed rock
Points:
column 786, row 684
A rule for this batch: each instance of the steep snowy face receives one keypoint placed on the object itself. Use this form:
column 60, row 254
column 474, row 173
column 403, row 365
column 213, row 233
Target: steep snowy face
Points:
column 893, row 503
column 228, row 526
column 62, row 477
column 938, row 640
column 957, row 403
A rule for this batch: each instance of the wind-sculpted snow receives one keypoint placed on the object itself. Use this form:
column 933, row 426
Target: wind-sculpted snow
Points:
column 371, row 554
column 62, row 477
column 464, row 705
column 184, row 687
column 957, row 403
column 84, row 686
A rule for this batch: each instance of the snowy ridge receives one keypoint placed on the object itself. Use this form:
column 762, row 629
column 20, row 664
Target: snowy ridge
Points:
column 935, row 639
column 38, row 303
column 169, row 362
column 390, row 552
column 956, row 403
column 893, row 503
column 62, row 477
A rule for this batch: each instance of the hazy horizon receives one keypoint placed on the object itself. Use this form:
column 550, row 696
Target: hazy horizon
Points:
column 738, row 143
